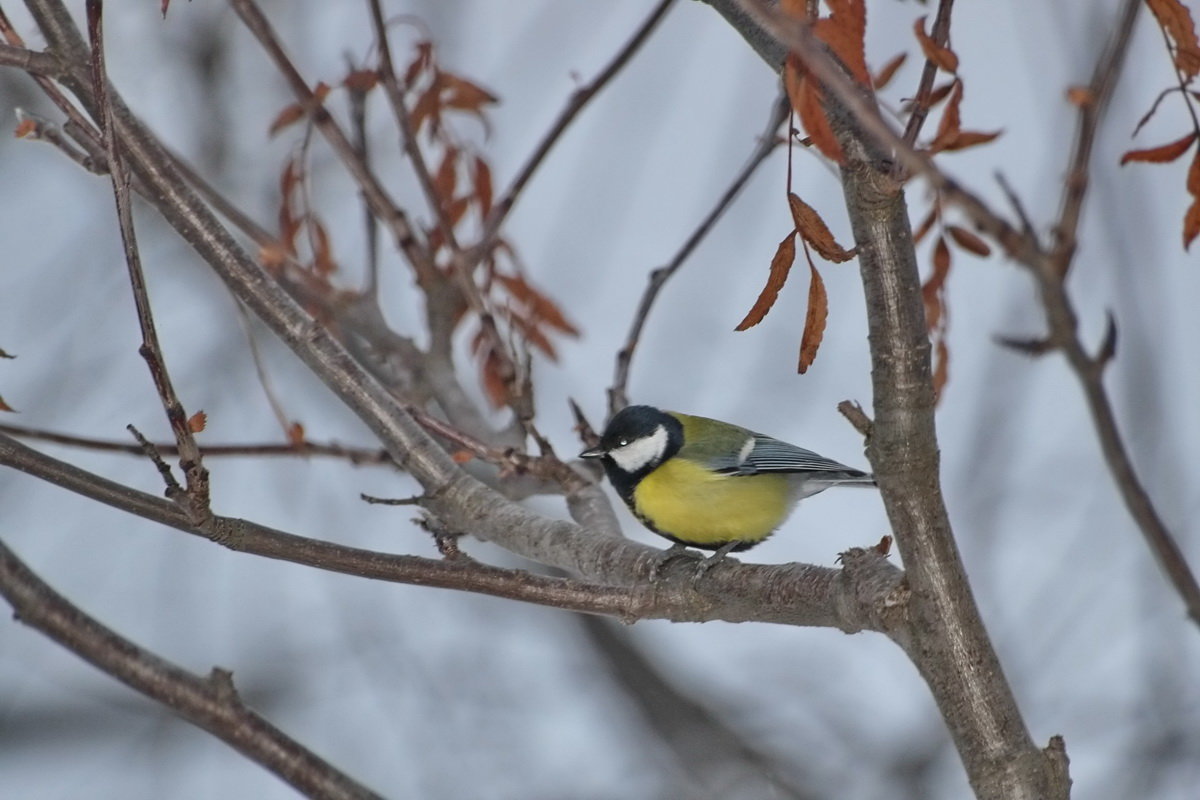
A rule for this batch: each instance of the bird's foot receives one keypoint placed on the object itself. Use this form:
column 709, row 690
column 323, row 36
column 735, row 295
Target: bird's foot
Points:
column 711, row 561
column 672, row 553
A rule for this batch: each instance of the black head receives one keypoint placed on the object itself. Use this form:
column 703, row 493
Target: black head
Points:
column 637, row 440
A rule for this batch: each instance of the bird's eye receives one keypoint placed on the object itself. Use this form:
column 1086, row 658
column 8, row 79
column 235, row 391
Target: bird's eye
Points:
column 622, row 442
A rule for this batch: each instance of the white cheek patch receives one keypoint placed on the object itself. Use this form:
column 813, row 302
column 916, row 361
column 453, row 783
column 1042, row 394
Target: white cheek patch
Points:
column 641, row 453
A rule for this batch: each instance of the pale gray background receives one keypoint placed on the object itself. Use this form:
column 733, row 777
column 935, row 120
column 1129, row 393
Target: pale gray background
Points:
column 427, row 693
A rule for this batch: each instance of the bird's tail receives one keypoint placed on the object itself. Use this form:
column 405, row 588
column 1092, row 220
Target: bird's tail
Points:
column 847, row 478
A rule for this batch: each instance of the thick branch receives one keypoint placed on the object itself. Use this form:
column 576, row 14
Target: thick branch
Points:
column 865, row 594
column 948, row 641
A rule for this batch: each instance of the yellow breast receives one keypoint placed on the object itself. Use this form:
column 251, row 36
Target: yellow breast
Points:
column 697, row 506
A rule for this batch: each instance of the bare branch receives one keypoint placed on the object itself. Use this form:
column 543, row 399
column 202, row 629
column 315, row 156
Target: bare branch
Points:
column 920, row 108
column 355, row 455
column 864, row 595
column 408, row 137
column 196, row 498
column 1100, row 90
column 210, row 703
column 1050, row 272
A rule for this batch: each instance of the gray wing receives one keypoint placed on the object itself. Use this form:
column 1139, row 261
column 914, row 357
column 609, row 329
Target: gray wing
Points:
column 766, row 454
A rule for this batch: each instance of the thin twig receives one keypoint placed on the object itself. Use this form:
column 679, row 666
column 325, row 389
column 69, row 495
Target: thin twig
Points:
column 358, row 123
column 546, row 466
column 376, row 196
column 408, row 137
column 41, row 67
column 355, row 455
column 260, row 369
column 617, row 396
column 464, row 268
column 578, row 101
column 1064, row 334
column 920, row 107
column 210, row 703
column 1075, row 186
column 197, row 496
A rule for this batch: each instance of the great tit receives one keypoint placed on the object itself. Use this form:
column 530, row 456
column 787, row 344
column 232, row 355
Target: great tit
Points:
column 707, row 484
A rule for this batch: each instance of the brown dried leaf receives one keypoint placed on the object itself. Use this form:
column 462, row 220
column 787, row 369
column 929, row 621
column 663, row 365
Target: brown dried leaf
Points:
column 465, row 95
column 419, row 64
column 197, row 422
column 806, row 100
column 482, row 177
column 1175, row 19
column 529, row 329
column 844, row 30
column 933, row 290
column 491, row 373
column 1163, row 153
column 1191, row 224
column 814, row 230
column 293, row 113
column 541, row 307
column 428, row 107
column 323, row 261
column 6, row 407
column 1193, row 176
column 940, row 93
column 888, row 71
column 361, row 80
column 446, row 180
column 969, row 241
column 797, row 9
column 951, row 122
column 966, row 139
column 25, row 127
column 295, row 434
column 457, row 208
column 462, row 456
column 814, row 320
column 941, row 367
column 289, row 222
column 926, row 224
column 781, row 264
column 272, row 256
column 942, row 56
column 1080, row 96
column 290, row 115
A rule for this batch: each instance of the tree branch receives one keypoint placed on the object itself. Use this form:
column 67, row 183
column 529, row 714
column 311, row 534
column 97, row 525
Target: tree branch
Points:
column 866, row 594
column 210, row 703
column 354, row 455
column 948, row 642
column 195, row 500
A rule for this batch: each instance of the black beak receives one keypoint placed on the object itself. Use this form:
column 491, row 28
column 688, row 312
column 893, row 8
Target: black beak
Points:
column 592, row 452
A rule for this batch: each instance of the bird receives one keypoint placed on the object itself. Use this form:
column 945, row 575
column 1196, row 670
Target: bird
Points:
column 708, row 484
